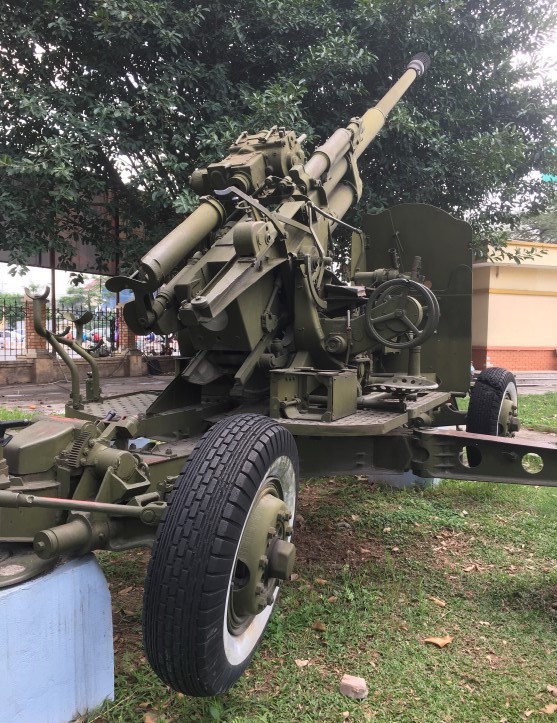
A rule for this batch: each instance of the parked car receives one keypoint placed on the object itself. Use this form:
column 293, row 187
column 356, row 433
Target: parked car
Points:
column 10, row 339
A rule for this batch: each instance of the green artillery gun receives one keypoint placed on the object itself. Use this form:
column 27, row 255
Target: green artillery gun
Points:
column 284, row 370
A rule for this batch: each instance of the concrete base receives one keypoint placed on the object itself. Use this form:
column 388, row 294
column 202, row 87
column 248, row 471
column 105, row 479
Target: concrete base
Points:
column 136, row 363
column 57, row 658
column 403, row 480
column 45, row 369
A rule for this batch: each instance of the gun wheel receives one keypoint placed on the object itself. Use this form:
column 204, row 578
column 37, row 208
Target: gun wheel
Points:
column 220, row 553
column 493, row 404
column 493, row 408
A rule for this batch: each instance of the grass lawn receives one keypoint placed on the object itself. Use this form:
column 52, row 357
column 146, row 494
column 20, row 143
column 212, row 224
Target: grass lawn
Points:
column 539, row 411
column 378, row 572
column 6, row 414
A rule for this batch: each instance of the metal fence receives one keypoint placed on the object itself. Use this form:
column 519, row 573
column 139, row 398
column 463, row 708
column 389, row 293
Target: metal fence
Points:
column 12, row 329
column 101, row 330
column 102, row 335
column 153, row 345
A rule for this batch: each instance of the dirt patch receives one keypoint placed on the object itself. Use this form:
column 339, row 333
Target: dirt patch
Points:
column 333, row 549
column 449, row 548
column 332, row 543
column 127, row 600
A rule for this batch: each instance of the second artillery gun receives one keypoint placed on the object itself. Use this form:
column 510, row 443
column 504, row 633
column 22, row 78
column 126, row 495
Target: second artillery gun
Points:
column 284, row 370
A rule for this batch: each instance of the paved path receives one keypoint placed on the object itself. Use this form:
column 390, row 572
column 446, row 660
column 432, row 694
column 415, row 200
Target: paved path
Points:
column 52, row 397
column 536, row 382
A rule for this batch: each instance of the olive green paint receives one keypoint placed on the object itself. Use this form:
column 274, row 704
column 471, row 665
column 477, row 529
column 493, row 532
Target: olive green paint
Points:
column 359, row 372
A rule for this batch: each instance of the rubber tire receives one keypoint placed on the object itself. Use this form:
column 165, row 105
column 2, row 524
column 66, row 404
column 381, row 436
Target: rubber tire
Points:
column 189, row 574
column 486, row 399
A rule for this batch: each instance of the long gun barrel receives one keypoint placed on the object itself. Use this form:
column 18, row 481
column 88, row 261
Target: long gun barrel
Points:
column 346, row 145
column 361, row 131
column 254, row 162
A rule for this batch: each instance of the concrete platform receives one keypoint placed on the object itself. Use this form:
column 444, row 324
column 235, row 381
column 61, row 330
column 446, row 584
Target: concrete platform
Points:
column 57, row 658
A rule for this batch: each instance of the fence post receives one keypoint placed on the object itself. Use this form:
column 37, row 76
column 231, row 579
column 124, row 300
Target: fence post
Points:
column 35, row 345
column 126, row 337
column 128, row 345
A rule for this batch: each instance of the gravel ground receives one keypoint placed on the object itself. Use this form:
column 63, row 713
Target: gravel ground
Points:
column 51, row 398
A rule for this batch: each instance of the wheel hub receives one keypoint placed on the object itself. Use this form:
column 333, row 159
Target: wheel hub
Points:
column 508, row 420
column 281, row 559
column 265, row 556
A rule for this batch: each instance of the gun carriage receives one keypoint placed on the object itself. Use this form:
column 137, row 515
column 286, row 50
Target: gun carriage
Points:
column 284, row 370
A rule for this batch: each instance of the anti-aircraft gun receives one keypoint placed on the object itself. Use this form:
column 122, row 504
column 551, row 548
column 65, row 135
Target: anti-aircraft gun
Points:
column 284, row 369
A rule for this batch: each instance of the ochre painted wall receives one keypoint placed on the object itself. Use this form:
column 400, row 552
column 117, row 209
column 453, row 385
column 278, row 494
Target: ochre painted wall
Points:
column 514, row 312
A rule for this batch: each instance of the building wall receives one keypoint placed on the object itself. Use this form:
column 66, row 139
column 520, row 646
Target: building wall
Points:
column 514, row 312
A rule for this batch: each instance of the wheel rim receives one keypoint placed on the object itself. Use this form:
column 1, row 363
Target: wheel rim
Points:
column 253, row 588
column 509, row 404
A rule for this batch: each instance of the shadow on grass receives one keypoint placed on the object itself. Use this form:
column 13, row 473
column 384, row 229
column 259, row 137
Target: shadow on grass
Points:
column 525, row 594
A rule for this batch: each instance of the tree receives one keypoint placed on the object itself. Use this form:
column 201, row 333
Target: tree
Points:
column 90, row 294
column 10, row 298
column 11, row 310
column 541, row 227
column 115, row 102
